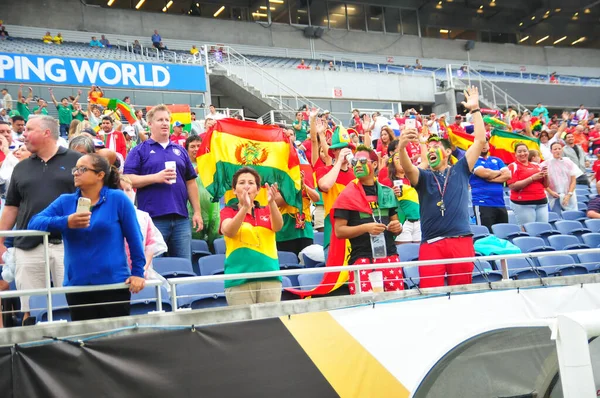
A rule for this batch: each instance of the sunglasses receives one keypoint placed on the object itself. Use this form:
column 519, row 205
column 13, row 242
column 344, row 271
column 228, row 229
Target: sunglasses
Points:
column 355, row 161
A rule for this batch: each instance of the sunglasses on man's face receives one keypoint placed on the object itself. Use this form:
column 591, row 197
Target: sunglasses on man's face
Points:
column 362, row 161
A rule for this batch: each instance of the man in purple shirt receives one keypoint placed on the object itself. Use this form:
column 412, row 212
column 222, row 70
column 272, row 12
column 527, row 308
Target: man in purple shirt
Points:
column 165, row 180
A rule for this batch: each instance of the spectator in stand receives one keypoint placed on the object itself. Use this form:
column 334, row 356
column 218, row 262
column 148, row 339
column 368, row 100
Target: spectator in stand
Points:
column 577, row 155
column 80, row 115
column 110, row 221
column 331, row 66
column 355, row 119
column 148, row 165
column 300, row 127
column 104, row 41
column 553, row 78
column 156, row 39
column 194, row 50
column 96, row 43
column 7, row 101
column 443, row 197
column 58, row 39
column 137, row 47
column 18, row 129
column 3, row 116
column 41, row 108
column 161, row 46
column 4, row 34
column 582, row 113
column 179, row 136
column 562, row 176
column 394, row 177
column 593, row 210
column 213, row 114
column 365, row 214
column 82, row 144
column 302, row 65
column 66, row 112
column 457, row 127
column 249, row 231
column 527, row 188
column 433, row 125
column 23, row 103
column 541, row 112
column 385, row 139
column 418, row 64
column 10, row 161
column 112, row 139
column 47, row 38
column 594, row 137
column 35, row 183
column 487, row 182
column 197, row 127
column 580, row 137
column 73, row 128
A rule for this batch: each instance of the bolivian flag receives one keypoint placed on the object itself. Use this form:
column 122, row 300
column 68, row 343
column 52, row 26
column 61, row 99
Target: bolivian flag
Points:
column 234, row 144
column 181, row 113
column 460, row 140
column 502, row 144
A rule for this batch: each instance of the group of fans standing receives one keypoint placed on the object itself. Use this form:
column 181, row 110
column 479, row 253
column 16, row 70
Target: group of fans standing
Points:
column 379, row 184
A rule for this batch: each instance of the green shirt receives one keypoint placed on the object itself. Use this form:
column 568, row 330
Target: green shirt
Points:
column 43, row 112
column 79, row 117
column 65, row 113
column 23, row 110
column 296, row 225
column 302, row 133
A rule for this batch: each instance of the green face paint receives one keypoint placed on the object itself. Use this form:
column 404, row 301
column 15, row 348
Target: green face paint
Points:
column 440, row 155
column 362, row 172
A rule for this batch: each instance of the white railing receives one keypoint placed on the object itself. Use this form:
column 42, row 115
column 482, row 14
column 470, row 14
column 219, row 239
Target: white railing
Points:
column 490, row 93
column 230, row 58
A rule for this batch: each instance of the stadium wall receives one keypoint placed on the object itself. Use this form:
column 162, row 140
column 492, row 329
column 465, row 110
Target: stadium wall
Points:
column 552, row 95
column 73, row 14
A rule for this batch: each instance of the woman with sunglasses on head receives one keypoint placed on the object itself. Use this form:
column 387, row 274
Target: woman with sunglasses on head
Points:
column 94, row 239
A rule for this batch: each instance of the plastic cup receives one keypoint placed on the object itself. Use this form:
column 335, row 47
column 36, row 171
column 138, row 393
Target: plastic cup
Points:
column 171, row 165
column 376, row 279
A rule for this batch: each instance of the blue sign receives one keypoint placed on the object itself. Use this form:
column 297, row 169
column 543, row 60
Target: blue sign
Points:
column 39, row 69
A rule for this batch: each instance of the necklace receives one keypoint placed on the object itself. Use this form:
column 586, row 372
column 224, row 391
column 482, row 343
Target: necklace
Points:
column 441, row 190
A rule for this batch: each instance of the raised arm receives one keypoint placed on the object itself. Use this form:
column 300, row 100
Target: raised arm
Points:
column 411, row 171
column 472, row 104
column 52, row 97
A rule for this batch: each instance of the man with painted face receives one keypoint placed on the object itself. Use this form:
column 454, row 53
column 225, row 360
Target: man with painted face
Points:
column 443, row 196
column 333, row 179
column 365, row 214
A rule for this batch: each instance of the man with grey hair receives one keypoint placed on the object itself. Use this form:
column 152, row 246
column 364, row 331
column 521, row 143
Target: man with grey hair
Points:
column 36, row 182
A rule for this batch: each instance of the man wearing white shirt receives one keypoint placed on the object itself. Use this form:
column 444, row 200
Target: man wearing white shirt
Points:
column 434, row 126
column 18, row 128
column 582, row 113
column 213, row 114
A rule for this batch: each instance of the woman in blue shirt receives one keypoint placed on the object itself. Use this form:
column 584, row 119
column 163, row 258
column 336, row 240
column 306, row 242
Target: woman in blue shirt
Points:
column 94, row 241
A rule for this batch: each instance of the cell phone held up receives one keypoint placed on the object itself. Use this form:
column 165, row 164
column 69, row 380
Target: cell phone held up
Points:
column 84, row 205
column 410, row 123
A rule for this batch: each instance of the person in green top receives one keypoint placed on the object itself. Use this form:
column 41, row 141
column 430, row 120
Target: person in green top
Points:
column 300, row 127
column 23, row 103
column 209, row 209
column 66, row 112
column 41, row 108
column 80, row 115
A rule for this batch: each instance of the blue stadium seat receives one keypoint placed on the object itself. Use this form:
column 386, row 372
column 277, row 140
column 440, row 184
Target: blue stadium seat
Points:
column 479, row 231
column 219, row 245
column 60, row 308
column 319, row 238
column 288, row 259
column 201, row 295
column 508, row 231
column 571, row 227
column 561, row 265
column 574, row 215
column 593, row 224
column 552, row 217
column 530, row 244
column 523, row 268
column 309, row 263
column 582, row 192
column 212, row 265
column 309, row 281
column 145, row 301
column 483, row 273
column 199, row 249
column 408, row 251
column 581, row 206
column 173, row 267
column 411, row 277
column 540, row 229
column 591, row 261
column 567, row 242
column 591, row 239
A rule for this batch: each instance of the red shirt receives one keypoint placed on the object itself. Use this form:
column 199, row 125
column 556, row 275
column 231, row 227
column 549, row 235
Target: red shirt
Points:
column 457, row 128
column 594, row 134
column 383, row 177
column 581, row 139
column 178, row 139
column 115, row 140
column 414, row 148
column 381, row 149
column 262, row 216
column 533, row 191
column 596, row 169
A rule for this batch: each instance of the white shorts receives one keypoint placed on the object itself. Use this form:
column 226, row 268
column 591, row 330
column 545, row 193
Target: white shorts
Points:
column 411, row 232
column 319, row 217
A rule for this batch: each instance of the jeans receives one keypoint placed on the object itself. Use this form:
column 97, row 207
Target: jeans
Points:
column 530, row 213
column 64, row 130
column 177, row 233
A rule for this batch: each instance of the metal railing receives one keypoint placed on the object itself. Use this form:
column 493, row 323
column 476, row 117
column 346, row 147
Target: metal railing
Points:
column 489, row 92
column 251, row 74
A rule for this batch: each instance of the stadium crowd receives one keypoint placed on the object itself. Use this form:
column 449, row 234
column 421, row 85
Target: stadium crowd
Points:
column 378, row 184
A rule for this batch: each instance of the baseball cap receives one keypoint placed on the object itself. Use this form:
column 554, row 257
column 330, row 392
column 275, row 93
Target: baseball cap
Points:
column 129, row 130
column 326, row 112
column 458, row 117
column 89, row 131
column 178, row 124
